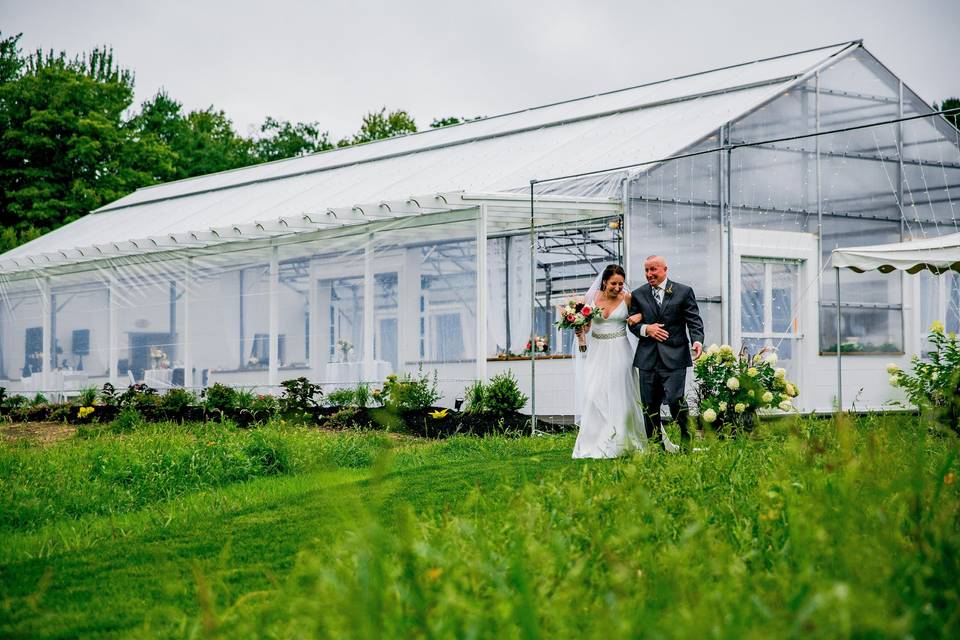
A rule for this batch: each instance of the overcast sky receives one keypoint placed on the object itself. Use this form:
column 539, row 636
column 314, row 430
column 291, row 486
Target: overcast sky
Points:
column 332, row 61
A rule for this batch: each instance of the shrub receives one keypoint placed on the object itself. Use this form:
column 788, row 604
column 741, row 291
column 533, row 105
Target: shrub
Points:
column 341, row 398
column 108, row 395
column 176, row 403
column 142, row 398
column 219, row 399
column 39, row 399
column 406, row 393
column 502, row 395
column 934, row 385
column 263, row 407
column 730, row 389
column 300, row 397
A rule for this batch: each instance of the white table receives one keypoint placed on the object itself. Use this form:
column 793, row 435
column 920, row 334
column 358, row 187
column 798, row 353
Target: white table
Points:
column 158, row 378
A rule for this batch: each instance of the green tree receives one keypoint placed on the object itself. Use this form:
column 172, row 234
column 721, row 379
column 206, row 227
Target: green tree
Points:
column 64, row 149
column 379, row 125
column 280, row 139
column 449, row 120
column 951, row 103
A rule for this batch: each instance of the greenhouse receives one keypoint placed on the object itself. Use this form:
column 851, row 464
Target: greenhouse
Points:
column 445, row 251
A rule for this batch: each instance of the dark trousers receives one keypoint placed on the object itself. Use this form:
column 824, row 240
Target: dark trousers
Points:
column 659, row 385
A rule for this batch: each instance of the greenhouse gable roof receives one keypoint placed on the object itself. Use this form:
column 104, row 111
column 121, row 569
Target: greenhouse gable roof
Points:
column 491, row 155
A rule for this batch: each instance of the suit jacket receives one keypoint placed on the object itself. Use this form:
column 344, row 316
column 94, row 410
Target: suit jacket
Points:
column 679, row 315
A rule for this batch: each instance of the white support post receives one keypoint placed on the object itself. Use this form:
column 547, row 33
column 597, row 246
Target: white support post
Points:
column 45, row 304
column 369, row 373
column 317, row 358
column 408, row 349
column 187, row 335
column 113, row 330
column 273, row 376
column 481, row 306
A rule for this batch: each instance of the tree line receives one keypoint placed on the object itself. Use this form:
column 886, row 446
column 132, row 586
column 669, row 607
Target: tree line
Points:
column 70, row 141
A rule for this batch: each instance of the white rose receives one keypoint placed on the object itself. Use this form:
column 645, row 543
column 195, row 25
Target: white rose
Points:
column 733, row 384
column 892, row 369
column 725, row 348
column 780, row 373
column 791, row 390
column 767, row 397
column 752, row 372
column 785, row 405
column 934, row 376
column 723, row 406
column 713, row 348
column 739, row 407
column 709, row 415
column 894, row 381
column 771, row 358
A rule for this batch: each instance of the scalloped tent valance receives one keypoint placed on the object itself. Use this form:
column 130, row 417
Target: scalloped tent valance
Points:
column 938, row 254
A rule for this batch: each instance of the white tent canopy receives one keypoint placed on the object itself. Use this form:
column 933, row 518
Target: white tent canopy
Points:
column 937, row 254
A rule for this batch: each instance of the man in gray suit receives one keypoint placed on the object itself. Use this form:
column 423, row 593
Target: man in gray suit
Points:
column 669, row 313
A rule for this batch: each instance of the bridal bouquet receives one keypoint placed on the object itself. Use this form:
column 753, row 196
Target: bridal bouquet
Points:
column 576, row 314
column 731, row 388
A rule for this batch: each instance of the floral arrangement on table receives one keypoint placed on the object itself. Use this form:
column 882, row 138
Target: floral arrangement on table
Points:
column 541, row 345
column 576, row 314
column 159, row 358
column 731, row 388
column 934, row 384
column 344, row 348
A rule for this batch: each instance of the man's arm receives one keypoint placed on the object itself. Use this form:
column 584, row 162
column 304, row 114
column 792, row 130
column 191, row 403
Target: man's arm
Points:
column 691, row 315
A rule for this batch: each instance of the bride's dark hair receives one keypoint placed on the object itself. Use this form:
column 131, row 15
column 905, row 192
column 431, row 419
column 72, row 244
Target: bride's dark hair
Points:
column 610, row 271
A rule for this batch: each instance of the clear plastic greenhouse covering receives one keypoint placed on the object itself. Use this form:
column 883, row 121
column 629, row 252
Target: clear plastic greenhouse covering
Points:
column 258, row 275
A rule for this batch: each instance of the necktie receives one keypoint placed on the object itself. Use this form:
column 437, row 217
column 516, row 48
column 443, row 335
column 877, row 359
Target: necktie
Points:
column 658, row 296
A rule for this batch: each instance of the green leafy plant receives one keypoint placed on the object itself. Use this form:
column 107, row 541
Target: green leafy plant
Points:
column 300, row 397
column 343, row 397
column 108, row 395
column 730, row 389
column 361, row 395
column 219, row 400
column 473, row 397
column 406, row 393
column 88, row 396
column 176, row 403
column 502, row 395
column 933, row 385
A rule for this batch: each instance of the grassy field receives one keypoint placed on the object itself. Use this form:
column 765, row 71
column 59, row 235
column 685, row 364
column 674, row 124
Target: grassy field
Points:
column 805, row 529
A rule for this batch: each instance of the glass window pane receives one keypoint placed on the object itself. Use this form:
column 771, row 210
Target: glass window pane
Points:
column 751, row 297
column 784, row 292
column 862, row 330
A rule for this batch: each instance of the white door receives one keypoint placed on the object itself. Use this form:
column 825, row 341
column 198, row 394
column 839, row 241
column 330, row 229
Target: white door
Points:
column 775, row 298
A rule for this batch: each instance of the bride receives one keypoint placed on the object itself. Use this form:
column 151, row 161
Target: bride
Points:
column 608, row 396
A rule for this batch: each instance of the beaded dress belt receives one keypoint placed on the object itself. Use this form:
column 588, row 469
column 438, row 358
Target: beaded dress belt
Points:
column 609, row 336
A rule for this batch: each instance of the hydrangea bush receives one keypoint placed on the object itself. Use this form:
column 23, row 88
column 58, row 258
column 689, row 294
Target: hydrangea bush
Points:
column 731, row 388
column 934, row 384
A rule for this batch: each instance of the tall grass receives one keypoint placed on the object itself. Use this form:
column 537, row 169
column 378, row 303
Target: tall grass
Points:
column 810, row 529
column 108, row 475
column 806, row 528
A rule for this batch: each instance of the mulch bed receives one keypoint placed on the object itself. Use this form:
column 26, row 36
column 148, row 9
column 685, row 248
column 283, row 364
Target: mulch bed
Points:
column 37, row 432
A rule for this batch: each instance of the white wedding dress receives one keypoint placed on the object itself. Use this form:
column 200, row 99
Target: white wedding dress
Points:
column 611, row 421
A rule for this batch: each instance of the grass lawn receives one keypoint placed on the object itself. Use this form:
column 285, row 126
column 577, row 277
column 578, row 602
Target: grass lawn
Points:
column 807, row 528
